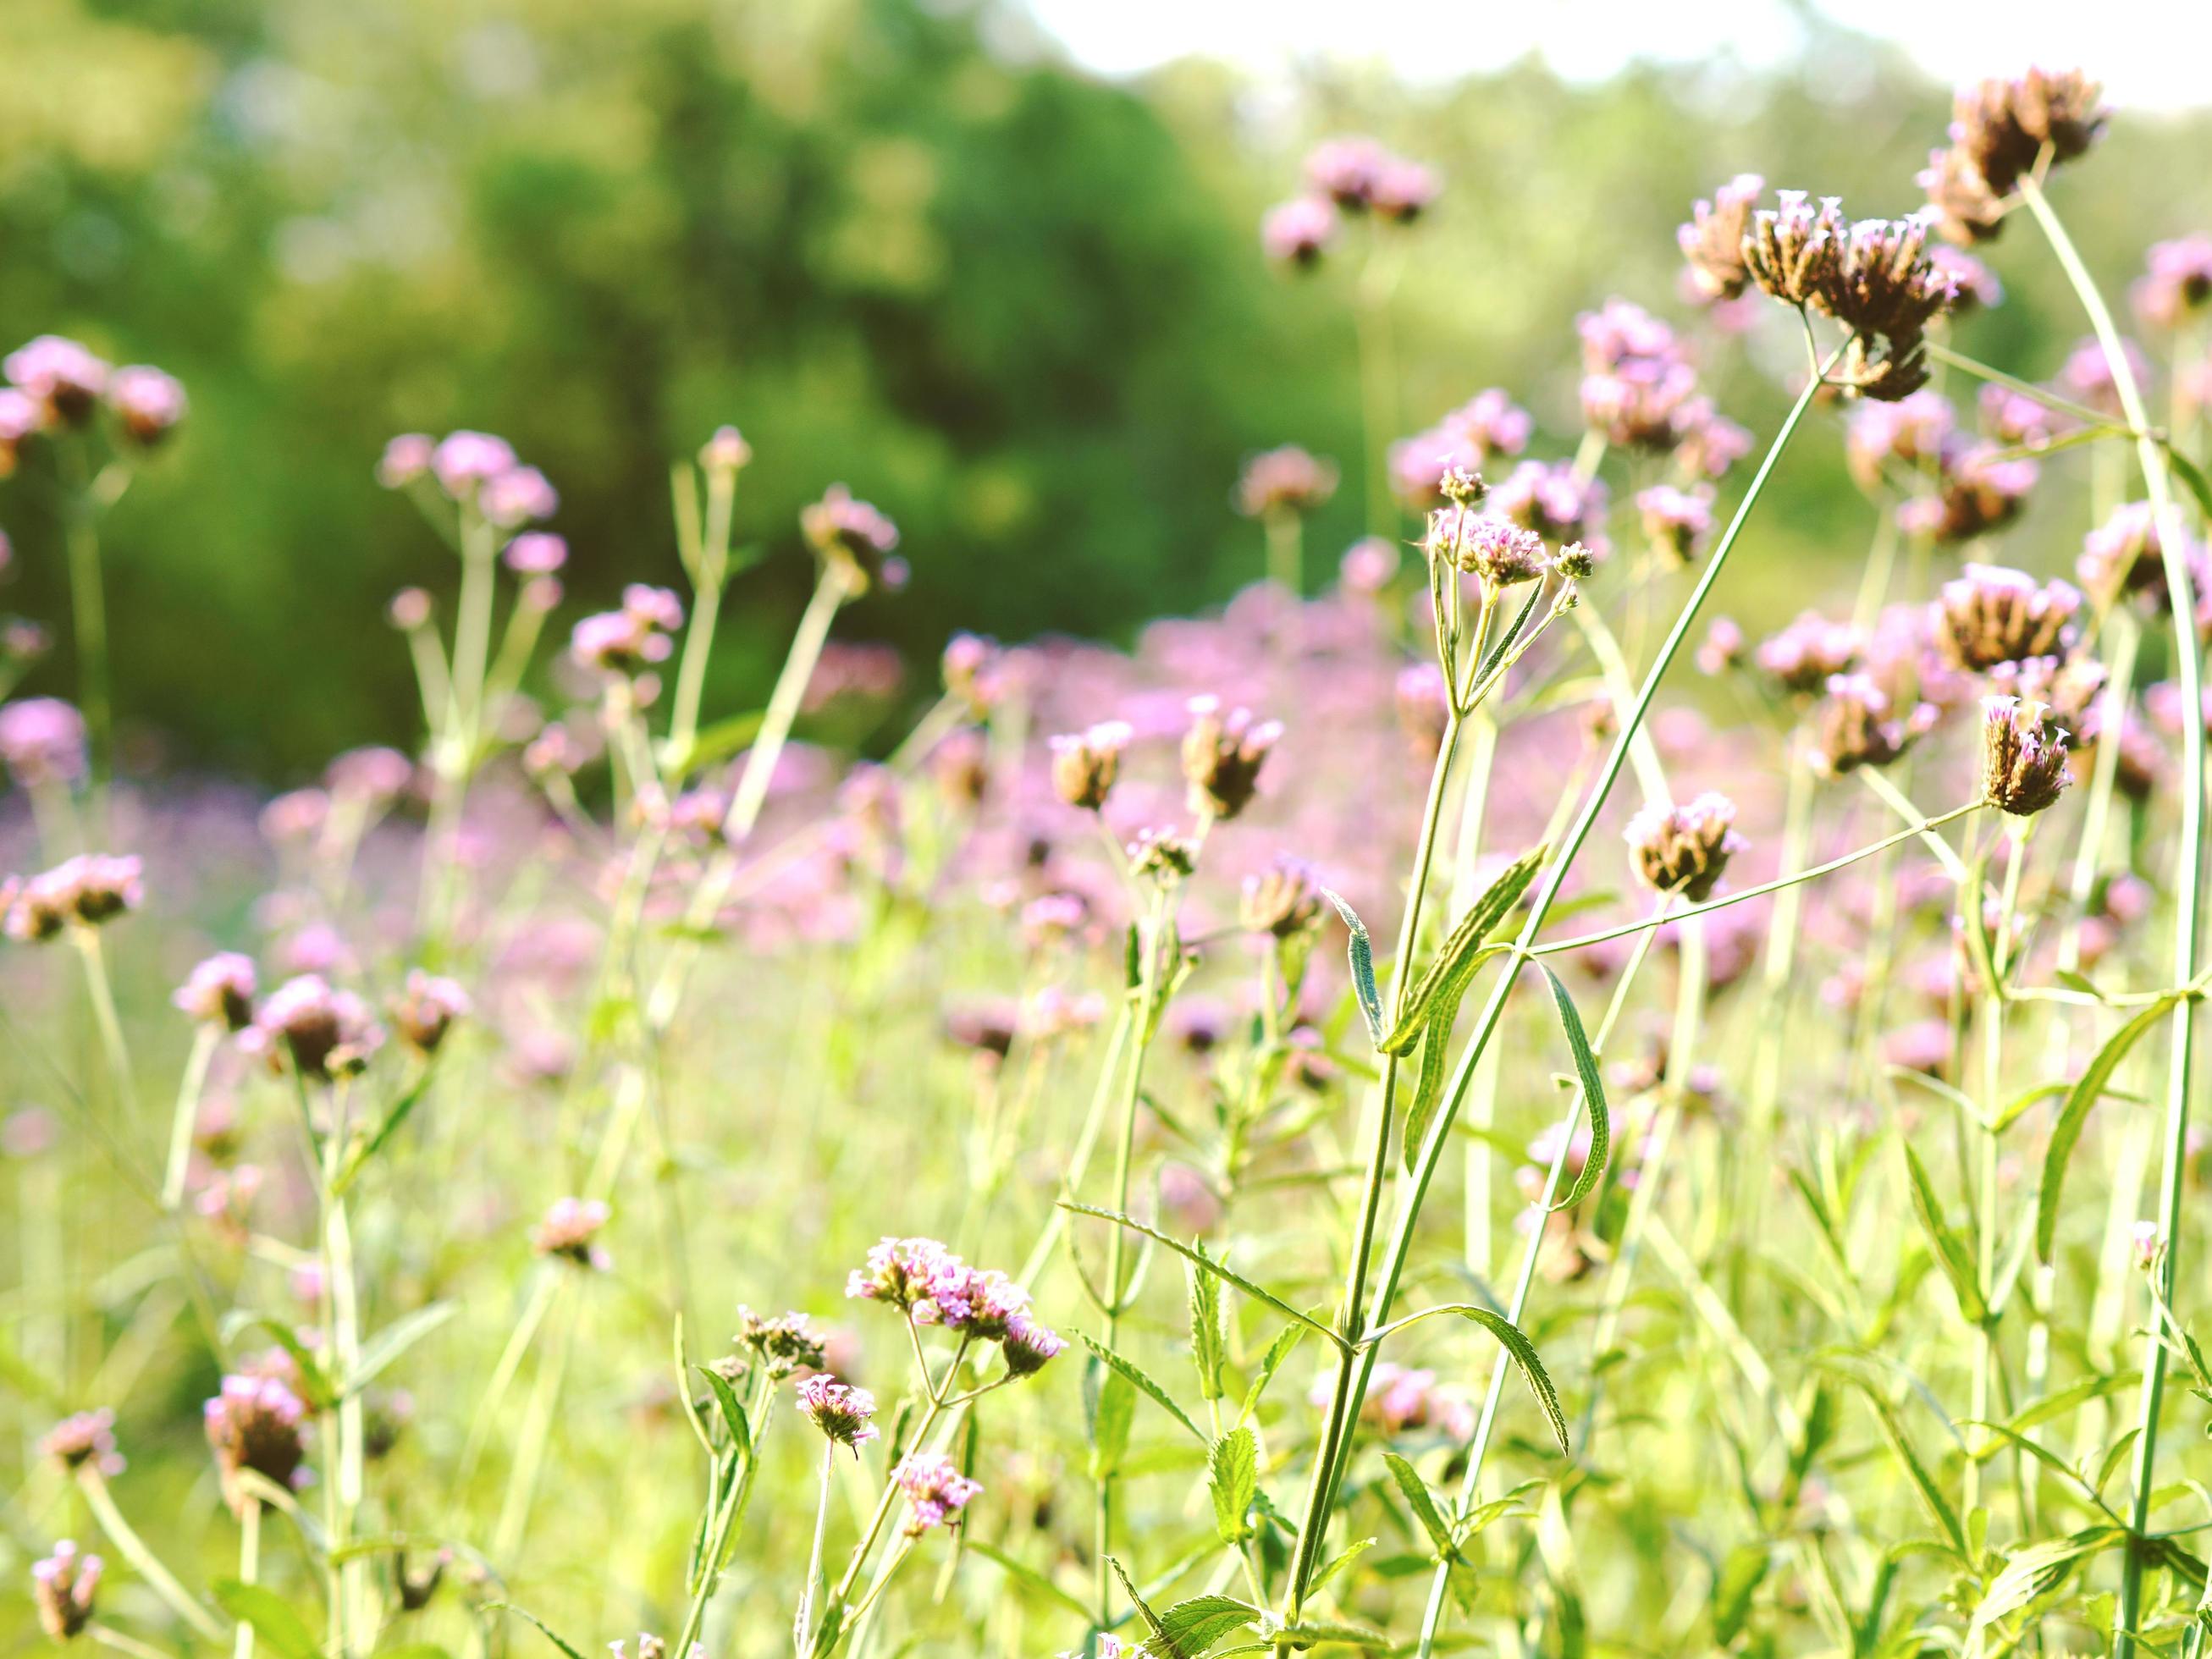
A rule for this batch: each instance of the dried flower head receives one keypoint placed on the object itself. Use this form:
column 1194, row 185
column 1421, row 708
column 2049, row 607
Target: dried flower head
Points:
column 1712, row 242
column 782, row 1345
column 1222, row 755
column 2000, row 127
column 1282, row 900
column 254, row 1425
column 219, row 991
column 840, row 1412
column 1991, row 614
column 63, row 1587
column 1852, row 728
column 82, row 1439
column 1086, row 764
column 1684, row 849
column 1794, row 251
column 571, row 1231
column 2023, row 757
column 936, row 1492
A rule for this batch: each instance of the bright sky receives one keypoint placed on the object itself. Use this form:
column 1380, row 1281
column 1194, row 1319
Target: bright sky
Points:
column 2149, row 53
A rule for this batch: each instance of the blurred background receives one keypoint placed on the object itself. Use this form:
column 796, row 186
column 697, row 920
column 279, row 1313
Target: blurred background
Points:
column 995, row 266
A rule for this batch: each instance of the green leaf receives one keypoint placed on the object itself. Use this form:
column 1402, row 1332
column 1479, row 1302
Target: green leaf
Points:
column 1206, row 1262
column 1445, row 982
column 1158, row 1632
column 1270, row 1362
column 1601, row 1121
column 1515, row 1344
column 2075, row 1114
column 1949, row 1249
column 721, row 740
column 394, row 1340
column 1031, row 1577
column 1976, row 921
column 1361, row 953
column 1208, row 1353
column 402, row 1109
column 2035, row 1570
column 741, row 1432
column 1129, row 1369
column 1337, row 1564
column 1310, row 1632
column 1504, row 642
column 314, row 1381
column 272, row 1617
column 1422, row 1503
column 1113, row 1410
column 1428, row 1087
column 1194, row 1627
column 1930, row 1494
column 1740, row 1575
column 550, row 1633
column 1233, row 1475
column 2190, row 475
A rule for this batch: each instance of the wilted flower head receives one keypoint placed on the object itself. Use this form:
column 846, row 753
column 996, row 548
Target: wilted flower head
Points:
column 1222, row 755
column 1712, row 242
column 1991, row 614
column 570, row 1231
column 781, row 1344
column 84, row 1438
column 1676, row 522
column 147, row 402
column 853, row 538
column 254, row 1424
column 1298, row 231
column 63, row 1588
column 1086, row 764
column 1793, row 250
column 1684, row 849
column 42, row 741
column 425, row 1012
column 936, row 1491
column 326, row 1032
column 2023, row 758
column 1284, row 480
column 88, row 889
column 1283, row 900
column 1810, row 651
column 1999, row 128
column 219, row 991
column 1886, row 287
column 1852, row 728
column 61, row 377
column 842, row 1412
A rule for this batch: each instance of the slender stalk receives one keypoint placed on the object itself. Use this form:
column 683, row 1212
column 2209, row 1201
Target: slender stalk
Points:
column 102, row 993
column 249, row 1571
column 2189, row 883
column 1284, row 551
column 88, row 615
column 709, row 581
column 133, row 1549
column 205, row 1040
column 799, row 1632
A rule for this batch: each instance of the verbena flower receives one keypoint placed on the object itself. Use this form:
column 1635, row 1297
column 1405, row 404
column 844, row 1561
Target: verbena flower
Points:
column 900, row 1272
column 405, row 458
column 148, row 404
column 781, row 1344
column 324, row 1031
column 570, row 1232
column 1282, row 900
column 1991, row 615
column 1907, row 434
column 1811, row 651
column 1297, row 232
column 1676, row 522
column 1793, row 250
column 1684, row 849
column 42, row 742
column 725, row 452
column 84, row 1438
column 1424, row 704
column 2125, row 557
column 2023, row 758
column 1712, row 242
column 1086, row 764
column 87, row 891
column 64, row 380
column 425, row 1012
column 840, row 1412
column 1344, row 170
column 63, row 1588
column 219, row 991
column 518, row 496
column 936, row 1492
column 1998, row 129
column 1284, row 480
column 1977, row 491
column 535, row 553
column 1222, row 755
column 254, row 1425
column 1488, row 425
column 1852, row 728
column 852, row 538
column 1027, row 1347
column 463, row 462
column 2177, row 281
column 1553, row 503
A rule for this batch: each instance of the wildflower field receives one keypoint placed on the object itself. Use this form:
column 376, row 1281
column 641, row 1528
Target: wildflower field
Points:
column 1458, row 1100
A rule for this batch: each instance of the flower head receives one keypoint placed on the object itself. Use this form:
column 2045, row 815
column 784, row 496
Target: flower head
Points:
column 1852, row 728
column 1283, row 900
column 325, row 1032
column 1712, row 242
column 405, row 458
column 535, row 553
column 1793, row 250
column 63, row 1586
column 840, row 1412
column 782, row 1345
column 425, row 1012
column 1086, row 764
column 1222, row 755
column 82, row 1439
column 852, row 538
column 219, row 991
column 254, row 1425
column 1284, row 480
column 2023, row 758
column 1684, row 849
column 900, row 1272
column 1991, row 614
column 88, row 889
column 2177, row 283
column 1804, row 656
column 1676, row 522
column 147, row 402
column 1028, row 1347
column 463, row 462
column 61, row 377
column 1297, row 232
column 936, row 1492
column 42, row 742
column 570, row 1231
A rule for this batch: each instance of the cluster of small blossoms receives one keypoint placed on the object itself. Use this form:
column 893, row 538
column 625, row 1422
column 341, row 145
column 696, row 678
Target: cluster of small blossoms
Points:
column 87, row 890
column 426, row 1009
column 1676, row 522
column 1495, row 550
column 2125, row 557
column 84, row 1439
column 853, row 539
column 1811, row 651
column 840, row 1411
column 570, row 1231
column 936, row 1492
column 1712, row 242
column 932, row 1287
column 619, row 644
column 782, row 1345
column 1351, row 177
column 1085, row 765
column 1991, row 614
column 1909, row 434
column 650, row 1646
column 1851, row 726
column 1978, row 489
column 1487, row 425
column 1400, row 1401
column 2023, row 756
column 1684, row 849
column 55, row 385
column 472, row 468
column 1222, row 755
column 1283, row 900
column 42, row 742
column 1284, row 480
column 1550, row 500
column 1999, row 130
column 254, row 1425
column 325, row 1031
column 2176, row 285
column 63, row 1588
column 2085, row 376
column 1638, row 388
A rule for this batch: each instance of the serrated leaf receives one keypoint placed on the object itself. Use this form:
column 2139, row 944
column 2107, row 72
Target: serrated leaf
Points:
column 1113, row 1413
column 2075, row 1114
column 1137, row 1379
column 2035, row 1570
column 1445, row 982
column 395, row 1339
column 1226, row 1275
column 1271, row 1361
column 1337, row 1564
column 1428, row 1087
column 1593, row 1085
column 271, row 1616
column 1361, row 954
column 1949, row 1249
column 733, row 1414
column 1515, row 1343
column 1206, row 1350
column 1422, row 1503
column 1232, row 1477
column 1191, row 1628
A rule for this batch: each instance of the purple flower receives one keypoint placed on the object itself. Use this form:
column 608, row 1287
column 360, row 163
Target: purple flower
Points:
column 2177, row 283
column 518, row 495
column 88, row 889
column 464, row 461
column 570, row 1231
column 1344, row 170
column 325, row 1032
column 254, row 1424
column 63, row 1586
column 852, row 538
column 1804, row 656
column 1029, row 1347
column 1676, row 521
column 840, row 1412
column 1991, row 615
column 536, row 553
column 42, row 741
column 936, row 1492
column 900, row 1272
column 1085, row 764
column 426, row 1011
column 406, row 458
column 61, row 377
column 147, row 402
column 1222, row 755
column 726, row 451
column 1712, row 242
column 84, row 1438
column 2023, row 758
column 1284, row 480
column 1684, row 849
column 1553, row 503
column 219, row 991
column 1297, row 232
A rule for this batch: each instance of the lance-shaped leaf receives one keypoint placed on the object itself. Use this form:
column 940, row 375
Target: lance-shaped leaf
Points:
column 1232, row 1477
column 1207, row 1350
column 1361, row 953
column 1422, row 1503
column 1445, row 982
column 1137, row 1379
column 1593, row 1086
column 1949, row 1249
column 270, row 1617
column 394, row 1340
column 1201, row 1259
column 2075, row 1114
column 1515, row 1343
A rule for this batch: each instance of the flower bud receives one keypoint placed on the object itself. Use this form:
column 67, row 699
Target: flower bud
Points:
column 2023, row 760
column 1085, row 764
column 1684, row 849
column 1222, row 756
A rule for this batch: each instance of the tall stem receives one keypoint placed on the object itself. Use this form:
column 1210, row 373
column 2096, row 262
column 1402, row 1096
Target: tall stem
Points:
column 709, row 581
column 88, row 615
column 249, row 1571
column 133, row 1549
column 2188, row 894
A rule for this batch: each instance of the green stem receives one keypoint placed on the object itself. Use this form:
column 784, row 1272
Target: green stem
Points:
column 710, row 578
column 88, row 614
column 2188, row 894
column 800, row 1626
column 133, row 1549
column 249, row 1571
column 111, row 1044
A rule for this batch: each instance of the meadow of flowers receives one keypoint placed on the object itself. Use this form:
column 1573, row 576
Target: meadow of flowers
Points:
column 1459, row 1103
